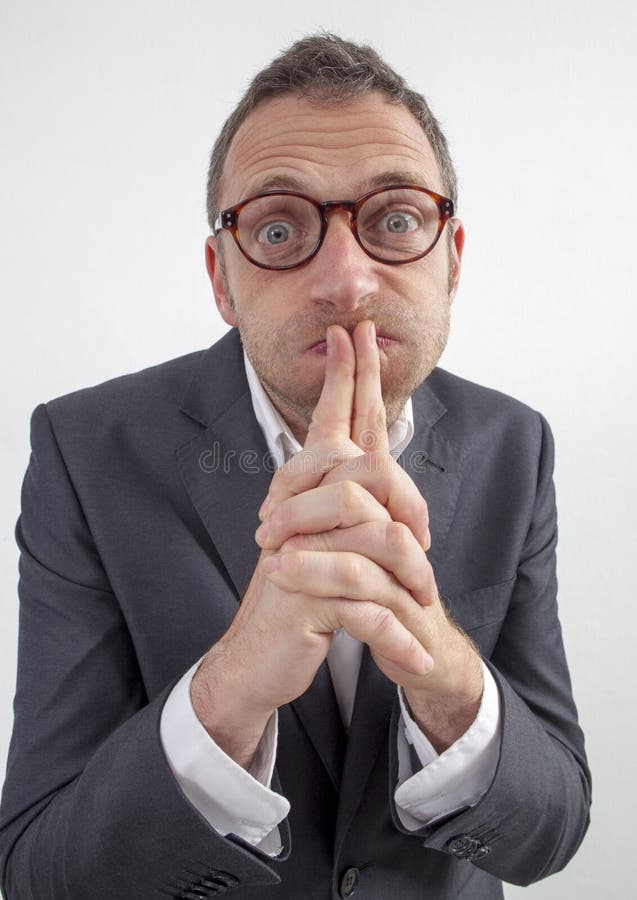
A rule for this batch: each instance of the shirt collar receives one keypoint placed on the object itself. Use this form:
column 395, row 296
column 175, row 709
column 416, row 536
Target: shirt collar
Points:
column 281, row 442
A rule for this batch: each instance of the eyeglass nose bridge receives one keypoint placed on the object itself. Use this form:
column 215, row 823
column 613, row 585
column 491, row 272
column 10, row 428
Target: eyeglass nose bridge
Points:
column 329, row 206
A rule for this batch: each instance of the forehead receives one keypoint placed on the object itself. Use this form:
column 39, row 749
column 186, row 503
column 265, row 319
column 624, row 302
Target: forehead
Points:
column 329, row 150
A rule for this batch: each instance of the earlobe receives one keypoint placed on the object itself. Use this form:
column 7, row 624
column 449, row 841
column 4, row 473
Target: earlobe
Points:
column 218, row 282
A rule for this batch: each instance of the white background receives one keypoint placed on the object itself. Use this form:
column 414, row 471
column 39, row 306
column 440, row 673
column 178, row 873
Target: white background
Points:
column 108, row 112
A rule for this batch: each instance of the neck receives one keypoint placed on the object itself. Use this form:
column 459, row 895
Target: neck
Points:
column 297, row 420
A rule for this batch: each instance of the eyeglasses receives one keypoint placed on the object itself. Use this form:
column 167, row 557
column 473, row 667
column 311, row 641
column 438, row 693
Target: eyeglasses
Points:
column 396, row 224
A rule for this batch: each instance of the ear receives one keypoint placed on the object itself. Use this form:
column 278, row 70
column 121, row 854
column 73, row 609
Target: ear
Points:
column 455, row 256
column 218, row 282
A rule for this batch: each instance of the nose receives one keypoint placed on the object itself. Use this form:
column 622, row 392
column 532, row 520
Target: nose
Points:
column 341, row 274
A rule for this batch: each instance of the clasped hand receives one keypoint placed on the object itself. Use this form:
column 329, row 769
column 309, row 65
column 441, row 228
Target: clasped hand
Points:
column 343, row 537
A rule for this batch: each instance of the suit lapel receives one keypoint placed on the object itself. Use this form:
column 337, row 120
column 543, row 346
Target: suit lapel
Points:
column 436, row 465
column 225, row 473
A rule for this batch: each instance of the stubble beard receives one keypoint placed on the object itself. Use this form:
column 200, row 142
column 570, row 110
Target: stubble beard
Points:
column 423, row 337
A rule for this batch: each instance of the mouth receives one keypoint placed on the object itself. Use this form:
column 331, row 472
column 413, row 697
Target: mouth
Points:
column 383, row 342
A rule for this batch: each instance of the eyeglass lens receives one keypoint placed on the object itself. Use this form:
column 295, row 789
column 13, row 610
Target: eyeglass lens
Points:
column 282, row 230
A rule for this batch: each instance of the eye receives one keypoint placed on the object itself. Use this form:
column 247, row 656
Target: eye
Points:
column 398, row 222
column 276, row 233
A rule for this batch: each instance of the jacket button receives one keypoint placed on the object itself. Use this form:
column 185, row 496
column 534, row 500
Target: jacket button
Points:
column 225, row 878
column 463, row 846
column 480, row 853
column 349, row 882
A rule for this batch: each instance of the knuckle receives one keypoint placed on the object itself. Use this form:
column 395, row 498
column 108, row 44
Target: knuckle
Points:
column 349, row 496
column 275, row 520
column 296, row 542
column 413, row 646
column 324, row 540
column 382, row 620
column 294, row 563
column 318, row 541
column 353, row 571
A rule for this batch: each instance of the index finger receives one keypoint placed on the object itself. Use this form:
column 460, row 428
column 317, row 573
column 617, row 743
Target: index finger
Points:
column 369, row 425
column 328, row 441
column 332, row 414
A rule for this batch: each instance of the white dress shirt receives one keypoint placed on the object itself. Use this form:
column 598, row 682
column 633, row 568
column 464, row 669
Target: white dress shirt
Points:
column 238, row 801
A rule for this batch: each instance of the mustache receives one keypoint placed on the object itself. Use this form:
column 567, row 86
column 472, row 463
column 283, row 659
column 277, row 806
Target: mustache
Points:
column 385, row 326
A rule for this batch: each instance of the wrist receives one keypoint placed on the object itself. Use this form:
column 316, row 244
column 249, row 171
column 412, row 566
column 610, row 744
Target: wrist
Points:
column 445, row 712
column 226, row 712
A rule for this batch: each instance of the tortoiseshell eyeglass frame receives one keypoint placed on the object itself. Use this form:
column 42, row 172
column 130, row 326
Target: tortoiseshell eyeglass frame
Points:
column 229, row 219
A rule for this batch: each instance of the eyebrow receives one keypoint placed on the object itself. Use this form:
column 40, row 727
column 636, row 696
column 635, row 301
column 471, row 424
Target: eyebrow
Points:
column 275, row 183
column 398, row 176
column 291, row 183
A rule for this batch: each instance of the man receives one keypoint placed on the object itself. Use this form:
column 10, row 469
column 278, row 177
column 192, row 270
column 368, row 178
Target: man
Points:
column 372, row 696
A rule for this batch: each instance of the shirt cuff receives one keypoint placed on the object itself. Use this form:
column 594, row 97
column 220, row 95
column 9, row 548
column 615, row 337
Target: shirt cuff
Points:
column 455, row 779
column 231, row 799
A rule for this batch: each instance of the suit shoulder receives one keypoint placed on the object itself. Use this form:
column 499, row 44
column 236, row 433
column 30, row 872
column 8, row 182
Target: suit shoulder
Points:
column 462, row 396
column 150, row 389
column 482, row 415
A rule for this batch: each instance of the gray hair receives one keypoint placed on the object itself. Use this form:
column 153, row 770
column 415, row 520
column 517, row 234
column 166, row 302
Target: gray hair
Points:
column 325, row 68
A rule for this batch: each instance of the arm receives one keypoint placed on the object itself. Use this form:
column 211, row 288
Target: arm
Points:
column 90, row 807
column 536, row 811
column 432, row 786
column 231, row 799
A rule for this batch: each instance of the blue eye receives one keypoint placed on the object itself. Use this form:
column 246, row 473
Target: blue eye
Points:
column 399, row 222
column 275, row 233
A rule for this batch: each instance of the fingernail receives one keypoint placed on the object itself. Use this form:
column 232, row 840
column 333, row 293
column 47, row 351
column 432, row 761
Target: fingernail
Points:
column 262, row 531
column 372, row 334
column 271, row 563
column 426, row 663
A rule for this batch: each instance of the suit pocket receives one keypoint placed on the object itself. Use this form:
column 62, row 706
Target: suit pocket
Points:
column 481, row 612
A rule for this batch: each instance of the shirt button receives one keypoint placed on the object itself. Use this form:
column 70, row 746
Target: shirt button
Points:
column 349, row 882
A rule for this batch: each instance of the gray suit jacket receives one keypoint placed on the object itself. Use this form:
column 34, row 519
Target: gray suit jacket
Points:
column 138, row 511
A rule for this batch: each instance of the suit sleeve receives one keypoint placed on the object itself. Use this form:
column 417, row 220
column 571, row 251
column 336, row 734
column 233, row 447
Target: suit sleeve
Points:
column 230, row 798
column 90, row 808
column 535, row 814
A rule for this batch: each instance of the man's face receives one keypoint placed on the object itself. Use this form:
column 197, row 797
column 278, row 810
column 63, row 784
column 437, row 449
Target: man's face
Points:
column 333, row 152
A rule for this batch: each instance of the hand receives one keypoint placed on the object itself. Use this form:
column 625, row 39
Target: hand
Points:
column 347, row 438
column 380, row 560
column 278, row 639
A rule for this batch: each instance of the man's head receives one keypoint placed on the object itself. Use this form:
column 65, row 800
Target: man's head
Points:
column 323, row 68
column 331, row 120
